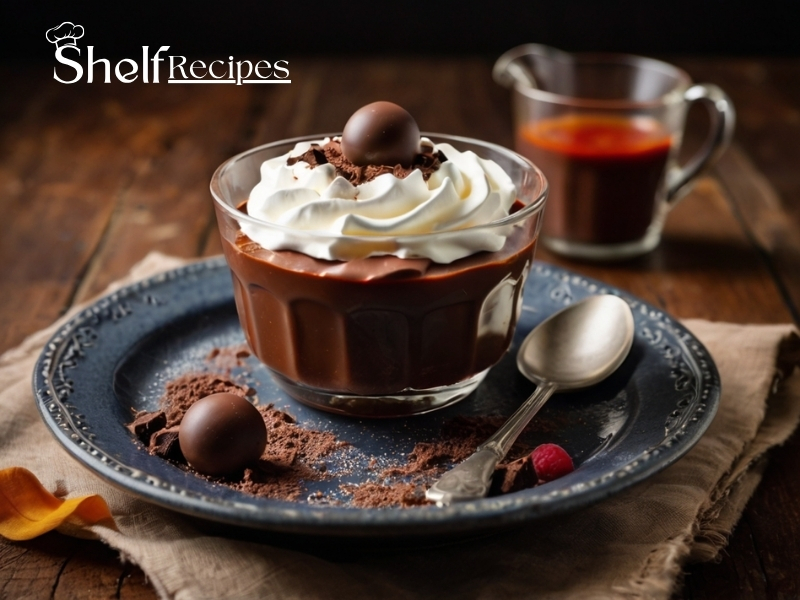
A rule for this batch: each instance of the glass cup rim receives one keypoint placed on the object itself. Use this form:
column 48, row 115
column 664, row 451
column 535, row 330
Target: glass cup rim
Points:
column 536, row 205
column 675, row 95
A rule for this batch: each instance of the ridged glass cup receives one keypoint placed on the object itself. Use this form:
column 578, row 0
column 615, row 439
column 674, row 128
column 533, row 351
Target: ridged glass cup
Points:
column 378, row 336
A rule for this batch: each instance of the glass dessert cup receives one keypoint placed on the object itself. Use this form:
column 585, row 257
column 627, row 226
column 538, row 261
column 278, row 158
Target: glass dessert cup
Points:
column 377, row 336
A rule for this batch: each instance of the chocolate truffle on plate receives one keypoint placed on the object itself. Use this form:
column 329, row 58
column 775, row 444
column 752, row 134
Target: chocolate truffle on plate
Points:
column 381, row 133
column 221, row 434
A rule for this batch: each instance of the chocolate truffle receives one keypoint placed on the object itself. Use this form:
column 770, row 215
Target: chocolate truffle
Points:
column 221, row 434
column 381, row 133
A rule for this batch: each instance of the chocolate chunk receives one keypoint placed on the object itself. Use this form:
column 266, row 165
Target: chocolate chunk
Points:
column 222, row 434
column 381, row 133
column 513, row 477
column 146, row 424
column 164, row 443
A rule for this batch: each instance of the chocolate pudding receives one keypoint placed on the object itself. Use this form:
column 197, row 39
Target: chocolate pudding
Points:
column 379, row 273
column 378, row 325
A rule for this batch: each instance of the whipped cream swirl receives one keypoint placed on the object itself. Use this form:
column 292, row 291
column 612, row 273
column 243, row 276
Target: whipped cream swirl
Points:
column 325, row 216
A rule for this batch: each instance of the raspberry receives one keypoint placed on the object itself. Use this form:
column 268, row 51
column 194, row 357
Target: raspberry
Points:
column 551, row 461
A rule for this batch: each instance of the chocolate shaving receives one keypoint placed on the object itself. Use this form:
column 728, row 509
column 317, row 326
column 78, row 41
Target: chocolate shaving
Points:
column 426, row 161
column 513, row 477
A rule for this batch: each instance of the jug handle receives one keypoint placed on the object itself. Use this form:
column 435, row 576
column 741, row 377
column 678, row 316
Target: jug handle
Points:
column 509, row 70
column 723, row 117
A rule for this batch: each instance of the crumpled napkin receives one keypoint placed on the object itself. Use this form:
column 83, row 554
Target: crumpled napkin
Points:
column 630, row 545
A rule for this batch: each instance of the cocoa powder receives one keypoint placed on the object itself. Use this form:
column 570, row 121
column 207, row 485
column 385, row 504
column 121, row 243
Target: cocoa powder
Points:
column 228, row 358
column 296, row 456
column 288, row 460
column 376, row 495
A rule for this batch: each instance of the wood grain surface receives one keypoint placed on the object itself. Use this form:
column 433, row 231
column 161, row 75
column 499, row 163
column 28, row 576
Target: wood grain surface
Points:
column 93, row 177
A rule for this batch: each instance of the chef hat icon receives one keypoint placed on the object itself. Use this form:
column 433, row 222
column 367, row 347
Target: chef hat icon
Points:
column 65, row 34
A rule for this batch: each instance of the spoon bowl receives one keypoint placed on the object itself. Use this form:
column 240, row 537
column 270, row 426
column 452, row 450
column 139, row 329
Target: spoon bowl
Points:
column 579, row 346
column 576, row 347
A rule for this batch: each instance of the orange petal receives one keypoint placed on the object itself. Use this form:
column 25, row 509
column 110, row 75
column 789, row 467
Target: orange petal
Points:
column 28, row 510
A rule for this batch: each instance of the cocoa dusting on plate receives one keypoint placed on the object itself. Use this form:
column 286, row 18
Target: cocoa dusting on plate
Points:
column 158, row 430
column 228, row 358
column 297, row 456
column 376, row 495
column 458, row 439
column 291, row 458
column 405, row 484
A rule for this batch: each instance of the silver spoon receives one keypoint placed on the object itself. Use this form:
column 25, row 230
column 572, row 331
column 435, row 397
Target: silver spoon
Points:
column 576, row 347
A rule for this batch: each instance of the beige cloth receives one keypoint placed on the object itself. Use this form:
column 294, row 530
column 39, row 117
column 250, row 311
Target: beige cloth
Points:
column 632, row 545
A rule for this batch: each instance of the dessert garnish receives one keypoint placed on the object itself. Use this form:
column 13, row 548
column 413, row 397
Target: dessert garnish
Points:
column 295, row 456
column 513, row 476
column 381, row 133
column 221, row 434
column 551, row 461
column 379, row 138
column 426, row 161
column 292, row 459
column 414, row 187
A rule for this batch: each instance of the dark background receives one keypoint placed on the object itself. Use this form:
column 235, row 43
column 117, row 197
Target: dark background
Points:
column 286, row 29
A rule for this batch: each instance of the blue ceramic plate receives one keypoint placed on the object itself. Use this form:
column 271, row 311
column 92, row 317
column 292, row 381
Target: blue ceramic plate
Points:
column 115, row 357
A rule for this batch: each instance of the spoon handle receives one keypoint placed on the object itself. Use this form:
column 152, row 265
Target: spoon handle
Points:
column 471, row 479
column 502, row 440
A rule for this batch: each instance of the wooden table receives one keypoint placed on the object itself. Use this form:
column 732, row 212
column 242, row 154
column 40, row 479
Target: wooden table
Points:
column 94, row 176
